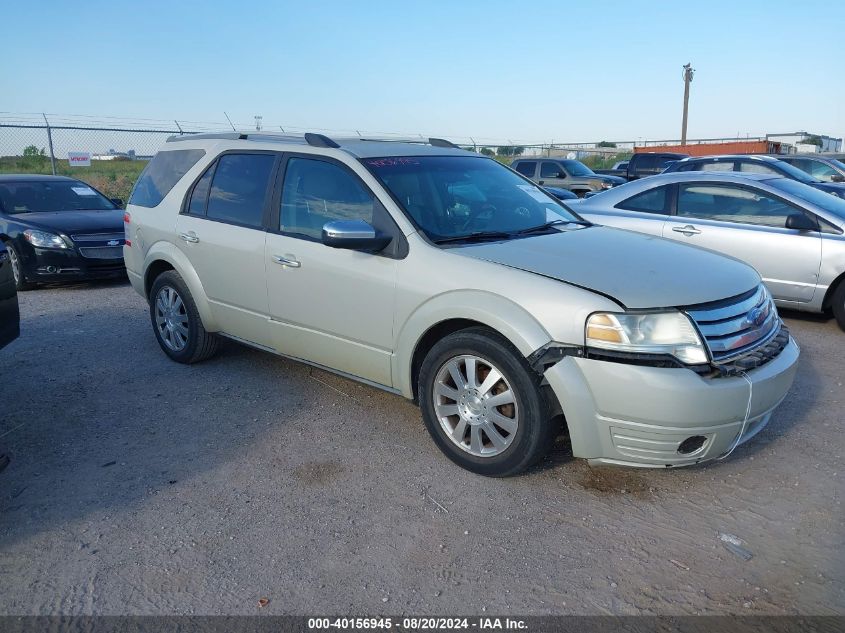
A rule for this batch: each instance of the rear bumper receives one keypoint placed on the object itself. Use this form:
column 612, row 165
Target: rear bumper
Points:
column 638, row 416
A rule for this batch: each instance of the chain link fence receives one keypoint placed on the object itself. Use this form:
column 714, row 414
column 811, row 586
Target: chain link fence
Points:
column 36, row 144
column 118, row 155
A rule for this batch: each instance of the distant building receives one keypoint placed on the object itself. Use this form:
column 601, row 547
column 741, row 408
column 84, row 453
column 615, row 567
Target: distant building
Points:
column 829, row 143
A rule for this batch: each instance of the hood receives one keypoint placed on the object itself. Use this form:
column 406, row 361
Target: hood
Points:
column 67, row 222
column 637, row 271
column 831, row 187
column 616, row 180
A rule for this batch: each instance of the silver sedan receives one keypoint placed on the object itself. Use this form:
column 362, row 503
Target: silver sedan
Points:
column 791, row 233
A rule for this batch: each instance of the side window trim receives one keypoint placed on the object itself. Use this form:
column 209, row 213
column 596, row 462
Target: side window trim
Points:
column 382, row 219
column 268, row 193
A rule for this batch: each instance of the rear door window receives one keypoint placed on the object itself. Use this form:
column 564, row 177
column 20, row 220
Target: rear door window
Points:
column 753, row 167
column 527, row 168
column 162, row 174
column 239, row 188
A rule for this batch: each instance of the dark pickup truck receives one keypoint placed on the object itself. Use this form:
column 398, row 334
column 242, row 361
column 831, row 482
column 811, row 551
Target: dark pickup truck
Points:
column 643, row 164
column 9, row 315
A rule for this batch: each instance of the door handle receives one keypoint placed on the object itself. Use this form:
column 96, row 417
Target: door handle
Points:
column 540, row 183
column 190, row 236
column 687, row 230
column 284, row 261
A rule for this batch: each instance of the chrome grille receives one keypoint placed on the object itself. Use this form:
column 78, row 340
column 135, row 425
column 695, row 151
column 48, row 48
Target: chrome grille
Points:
column 737, row 326
column 98, row 237
column 102, row 252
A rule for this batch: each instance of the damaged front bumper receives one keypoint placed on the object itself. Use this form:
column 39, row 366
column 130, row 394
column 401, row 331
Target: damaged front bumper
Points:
column 641, row 415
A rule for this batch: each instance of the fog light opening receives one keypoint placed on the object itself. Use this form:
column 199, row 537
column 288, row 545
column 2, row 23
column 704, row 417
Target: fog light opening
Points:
column 691, row 444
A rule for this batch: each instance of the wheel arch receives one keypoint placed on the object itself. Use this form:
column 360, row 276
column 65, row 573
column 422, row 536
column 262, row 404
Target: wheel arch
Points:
column 164, row 256
column 827, row 302
column 454, row 311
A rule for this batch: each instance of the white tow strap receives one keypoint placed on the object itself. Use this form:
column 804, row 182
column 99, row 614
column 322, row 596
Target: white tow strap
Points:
column 747, row 415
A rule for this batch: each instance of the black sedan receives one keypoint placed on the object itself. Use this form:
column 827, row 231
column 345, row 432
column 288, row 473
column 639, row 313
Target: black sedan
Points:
column 9, row 316
column 59, row 229
column 754, row 165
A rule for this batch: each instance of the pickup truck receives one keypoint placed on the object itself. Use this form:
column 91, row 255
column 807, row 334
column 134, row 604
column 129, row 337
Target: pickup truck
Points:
column 643, row 164
column 9, row 315
column 564, row 173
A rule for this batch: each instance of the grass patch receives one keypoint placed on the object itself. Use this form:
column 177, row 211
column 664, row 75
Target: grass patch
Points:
column 114, row 178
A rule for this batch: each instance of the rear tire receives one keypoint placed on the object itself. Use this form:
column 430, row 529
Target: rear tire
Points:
column 493, row 427
column 176, row 321
column 21, row 283
column 838, row 305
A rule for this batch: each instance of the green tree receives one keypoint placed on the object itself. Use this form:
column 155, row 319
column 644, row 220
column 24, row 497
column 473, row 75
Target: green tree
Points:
column 812, row 139
column 31, row 151
column 487, row 151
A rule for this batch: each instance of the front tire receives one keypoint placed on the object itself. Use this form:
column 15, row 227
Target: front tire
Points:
column 21, row 283
column 482, row 404
column 838, row 305
column 176, row 321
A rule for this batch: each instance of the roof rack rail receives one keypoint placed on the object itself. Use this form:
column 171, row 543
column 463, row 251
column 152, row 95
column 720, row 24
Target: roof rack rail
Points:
column 442, row 142
column 209, row 135
column 319, row 140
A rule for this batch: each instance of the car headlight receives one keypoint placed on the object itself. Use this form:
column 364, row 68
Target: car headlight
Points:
column 606, row 185
column 655, row 333
column 42, row 239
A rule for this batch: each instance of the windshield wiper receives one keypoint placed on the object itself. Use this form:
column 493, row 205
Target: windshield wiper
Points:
column 477, row 236
column 545, row 227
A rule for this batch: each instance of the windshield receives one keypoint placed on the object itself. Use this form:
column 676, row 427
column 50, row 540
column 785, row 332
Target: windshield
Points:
column 576, row 168
column 796, row 174
column 822, row 199
column 455, row 196
column 56, row 195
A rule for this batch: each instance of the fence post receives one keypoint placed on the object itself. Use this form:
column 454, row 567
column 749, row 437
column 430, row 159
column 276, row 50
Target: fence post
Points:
column 178, row 126
column 50, row 143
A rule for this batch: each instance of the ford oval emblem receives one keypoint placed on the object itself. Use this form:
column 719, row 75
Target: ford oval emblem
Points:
column 756, row 316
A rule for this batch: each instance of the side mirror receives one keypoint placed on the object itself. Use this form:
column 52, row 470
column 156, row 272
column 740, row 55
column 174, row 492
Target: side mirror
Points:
column 800, row 222
column 355, row 235
column 837, row 178
column 118, row 202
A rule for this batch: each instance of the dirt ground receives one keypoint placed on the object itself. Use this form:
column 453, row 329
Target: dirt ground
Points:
column 140, row 486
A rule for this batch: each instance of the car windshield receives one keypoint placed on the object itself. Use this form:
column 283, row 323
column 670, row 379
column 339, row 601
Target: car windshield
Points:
column 822, row 199
column 576, row 168
column 796, row 174
column 50, row 196
column 450, row 197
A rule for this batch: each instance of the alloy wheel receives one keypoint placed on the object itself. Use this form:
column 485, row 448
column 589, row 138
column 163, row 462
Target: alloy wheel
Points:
column 16, row 266
column 171, row 319
column 475, row 405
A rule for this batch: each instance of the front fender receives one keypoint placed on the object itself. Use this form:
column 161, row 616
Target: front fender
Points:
column 167, row 252
column 506, row 317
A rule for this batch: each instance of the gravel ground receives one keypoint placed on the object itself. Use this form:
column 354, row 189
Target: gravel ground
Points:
column 140, row 486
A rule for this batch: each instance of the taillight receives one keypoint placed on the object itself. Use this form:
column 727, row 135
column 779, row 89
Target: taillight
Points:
column 127, row 219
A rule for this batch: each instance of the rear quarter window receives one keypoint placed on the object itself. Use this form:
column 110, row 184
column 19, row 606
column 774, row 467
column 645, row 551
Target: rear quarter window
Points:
column 162, row 174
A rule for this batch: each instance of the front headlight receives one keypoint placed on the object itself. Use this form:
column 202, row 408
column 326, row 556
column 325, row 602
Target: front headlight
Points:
column 42, row 239
column 656, row 333
column 606, row 185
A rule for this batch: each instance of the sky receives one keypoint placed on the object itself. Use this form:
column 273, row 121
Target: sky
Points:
column 491, row 70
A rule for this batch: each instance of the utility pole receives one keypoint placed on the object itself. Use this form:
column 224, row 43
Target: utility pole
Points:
column 688, row 73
